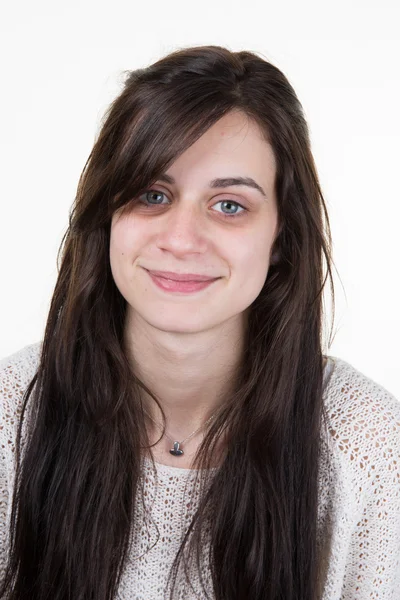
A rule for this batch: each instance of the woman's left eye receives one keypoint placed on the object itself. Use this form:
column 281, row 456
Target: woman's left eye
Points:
column 230, row 203
column 234, row 204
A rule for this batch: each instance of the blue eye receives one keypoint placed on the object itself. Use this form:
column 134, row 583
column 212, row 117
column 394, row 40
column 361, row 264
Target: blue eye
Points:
column 150, row 201
column 152, row 193
column 234, row 204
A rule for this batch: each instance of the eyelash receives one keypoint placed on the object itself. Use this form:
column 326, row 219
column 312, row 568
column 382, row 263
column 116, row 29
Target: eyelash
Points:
column 223, row 214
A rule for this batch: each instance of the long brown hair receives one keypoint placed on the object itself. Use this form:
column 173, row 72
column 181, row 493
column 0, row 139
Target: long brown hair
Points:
column 78, row 469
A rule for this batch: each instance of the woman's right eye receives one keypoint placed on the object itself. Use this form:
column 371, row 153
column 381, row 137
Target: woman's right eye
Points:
column 150, row 198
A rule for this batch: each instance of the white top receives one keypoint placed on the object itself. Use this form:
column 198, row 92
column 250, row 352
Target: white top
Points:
column 359, row 508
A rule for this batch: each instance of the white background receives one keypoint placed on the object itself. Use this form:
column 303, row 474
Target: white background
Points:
column 61, row 65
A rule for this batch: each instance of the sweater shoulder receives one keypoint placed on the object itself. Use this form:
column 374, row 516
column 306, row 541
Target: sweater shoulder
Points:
column 363, row 423
column 359, row 504
column 16, row 372
column 352, row 399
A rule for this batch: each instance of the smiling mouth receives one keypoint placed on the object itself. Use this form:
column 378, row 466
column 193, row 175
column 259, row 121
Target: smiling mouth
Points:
column 184, row 277
column 186, row 287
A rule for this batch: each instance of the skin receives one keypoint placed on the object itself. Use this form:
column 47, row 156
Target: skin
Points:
column 187, row 347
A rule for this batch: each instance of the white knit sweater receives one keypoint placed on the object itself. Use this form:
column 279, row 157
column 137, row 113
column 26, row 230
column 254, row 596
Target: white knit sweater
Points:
column 359, row 509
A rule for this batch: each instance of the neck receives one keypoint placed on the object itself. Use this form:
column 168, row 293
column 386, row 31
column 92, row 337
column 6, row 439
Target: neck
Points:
column 189, row 373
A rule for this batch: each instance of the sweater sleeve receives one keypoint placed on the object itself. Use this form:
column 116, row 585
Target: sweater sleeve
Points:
column 16, row 371
column 4, row 496
column 8, row 387
column 364, row 540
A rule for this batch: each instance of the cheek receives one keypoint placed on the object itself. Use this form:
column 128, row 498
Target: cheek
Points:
column 123, row 239
column 121, row 249
column 251, row 263
column 254, row 267
column 252, row 253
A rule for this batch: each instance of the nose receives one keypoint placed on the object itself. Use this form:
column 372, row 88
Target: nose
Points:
column 183, row 229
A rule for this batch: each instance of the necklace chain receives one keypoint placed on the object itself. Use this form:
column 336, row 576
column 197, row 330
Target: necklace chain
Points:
column 177, row 451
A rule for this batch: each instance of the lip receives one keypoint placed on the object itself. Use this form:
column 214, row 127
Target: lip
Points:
column 192, row 277
column 185, row 287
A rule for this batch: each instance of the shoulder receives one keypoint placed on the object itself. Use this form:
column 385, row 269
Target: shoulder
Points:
column 363, row 427
column 359, row 406
column 22, row 362
column 359, row 510
column 16, row 372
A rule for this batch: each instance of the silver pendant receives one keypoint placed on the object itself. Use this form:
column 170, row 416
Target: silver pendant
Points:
column 176, row 451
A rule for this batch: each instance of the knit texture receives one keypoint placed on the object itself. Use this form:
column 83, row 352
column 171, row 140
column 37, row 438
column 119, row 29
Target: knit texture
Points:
column 359, row 491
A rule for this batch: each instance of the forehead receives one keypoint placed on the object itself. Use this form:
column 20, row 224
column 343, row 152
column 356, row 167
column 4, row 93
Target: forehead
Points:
column 233, row 145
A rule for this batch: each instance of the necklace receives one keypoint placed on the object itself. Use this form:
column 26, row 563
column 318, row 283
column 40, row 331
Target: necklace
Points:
column 177, row 450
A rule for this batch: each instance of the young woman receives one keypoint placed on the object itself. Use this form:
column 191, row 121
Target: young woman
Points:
column 179, row 433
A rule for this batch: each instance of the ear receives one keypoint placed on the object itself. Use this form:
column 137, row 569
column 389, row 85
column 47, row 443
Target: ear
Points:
column 275, row 257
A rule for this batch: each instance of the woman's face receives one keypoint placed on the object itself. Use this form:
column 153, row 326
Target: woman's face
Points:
column 187, row 224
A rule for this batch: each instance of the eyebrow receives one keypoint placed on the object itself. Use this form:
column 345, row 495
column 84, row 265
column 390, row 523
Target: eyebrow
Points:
column 223, row 182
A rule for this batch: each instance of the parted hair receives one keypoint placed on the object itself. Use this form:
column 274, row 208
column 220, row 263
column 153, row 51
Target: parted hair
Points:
column 79, row 461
